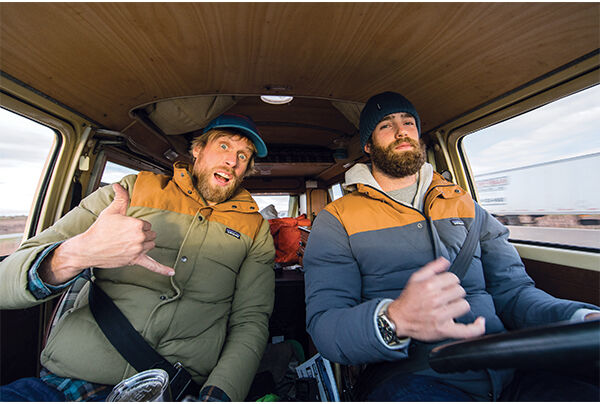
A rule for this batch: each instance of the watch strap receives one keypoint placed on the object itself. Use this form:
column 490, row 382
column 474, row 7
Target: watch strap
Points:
column 385, row 328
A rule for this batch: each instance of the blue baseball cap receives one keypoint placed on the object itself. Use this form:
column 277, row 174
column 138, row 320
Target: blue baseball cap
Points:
column 242, row 124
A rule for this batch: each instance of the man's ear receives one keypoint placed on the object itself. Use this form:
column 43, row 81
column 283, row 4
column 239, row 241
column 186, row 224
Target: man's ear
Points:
column 196, row 151
column 367, row 148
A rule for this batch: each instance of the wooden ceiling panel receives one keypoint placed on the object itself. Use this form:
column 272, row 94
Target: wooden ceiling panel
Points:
column 103, row 59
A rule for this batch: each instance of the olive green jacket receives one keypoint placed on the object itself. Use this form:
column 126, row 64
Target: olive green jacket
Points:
column 212, row 315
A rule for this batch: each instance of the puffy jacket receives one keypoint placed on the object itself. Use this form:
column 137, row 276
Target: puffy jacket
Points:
column 365, row 246
column 212, row 315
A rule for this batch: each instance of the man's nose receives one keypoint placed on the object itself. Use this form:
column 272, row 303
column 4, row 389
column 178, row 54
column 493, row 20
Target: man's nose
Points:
column 402, row 131
column 231, row 159
column 399, row 131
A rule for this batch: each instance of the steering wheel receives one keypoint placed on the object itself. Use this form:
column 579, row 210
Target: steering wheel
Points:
column 562, row 345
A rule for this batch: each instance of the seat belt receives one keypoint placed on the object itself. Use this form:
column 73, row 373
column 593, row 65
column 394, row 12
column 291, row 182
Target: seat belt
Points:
column 461, row 263
column 133, row 347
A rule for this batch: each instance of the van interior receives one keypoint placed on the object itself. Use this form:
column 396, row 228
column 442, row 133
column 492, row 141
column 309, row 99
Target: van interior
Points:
column 129, row 85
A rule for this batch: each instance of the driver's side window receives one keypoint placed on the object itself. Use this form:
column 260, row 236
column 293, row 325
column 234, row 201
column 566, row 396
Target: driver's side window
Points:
column 25, row 149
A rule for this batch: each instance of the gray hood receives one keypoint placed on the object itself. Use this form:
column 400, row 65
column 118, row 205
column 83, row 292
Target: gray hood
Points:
column 361, row 174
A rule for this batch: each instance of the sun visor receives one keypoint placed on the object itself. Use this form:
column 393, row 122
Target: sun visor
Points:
column 350, row 110
column 176, row 116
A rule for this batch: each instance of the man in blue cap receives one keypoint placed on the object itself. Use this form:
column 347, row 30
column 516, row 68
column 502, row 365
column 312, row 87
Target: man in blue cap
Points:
column 187, row 258
column 378, row 289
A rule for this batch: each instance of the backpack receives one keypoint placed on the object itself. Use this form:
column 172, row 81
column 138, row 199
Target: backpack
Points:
column 286, row 237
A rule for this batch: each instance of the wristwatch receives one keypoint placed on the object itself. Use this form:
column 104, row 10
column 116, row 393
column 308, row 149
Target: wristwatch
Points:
column 387, row 329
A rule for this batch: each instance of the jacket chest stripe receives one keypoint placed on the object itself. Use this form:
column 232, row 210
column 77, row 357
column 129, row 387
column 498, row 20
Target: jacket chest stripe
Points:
column 381, row 216
column 362, row 215
column 235, row 223
column 462, row 208
column 158, row 192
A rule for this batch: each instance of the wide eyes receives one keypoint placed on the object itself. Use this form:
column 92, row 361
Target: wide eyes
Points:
column 241, row 156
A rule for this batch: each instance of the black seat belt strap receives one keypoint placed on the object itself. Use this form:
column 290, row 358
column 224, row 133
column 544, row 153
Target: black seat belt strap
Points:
column 131, row 345
column 463, row 260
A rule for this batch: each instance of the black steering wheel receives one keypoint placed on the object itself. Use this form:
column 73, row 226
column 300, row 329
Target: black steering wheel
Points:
column 559, row 345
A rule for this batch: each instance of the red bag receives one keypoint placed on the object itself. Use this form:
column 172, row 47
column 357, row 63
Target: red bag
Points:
column 286, row 237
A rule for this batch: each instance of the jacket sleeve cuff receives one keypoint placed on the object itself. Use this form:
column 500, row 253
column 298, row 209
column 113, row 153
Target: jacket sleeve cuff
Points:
column 36, row 286
column 580, row 314
column 403, row 342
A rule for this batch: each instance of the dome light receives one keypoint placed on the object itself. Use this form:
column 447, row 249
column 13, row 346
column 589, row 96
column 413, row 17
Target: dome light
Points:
column 276, row 99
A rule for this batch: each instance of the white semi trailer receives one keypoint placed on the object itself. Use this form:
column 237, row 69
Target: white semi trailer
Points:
column 562, row 187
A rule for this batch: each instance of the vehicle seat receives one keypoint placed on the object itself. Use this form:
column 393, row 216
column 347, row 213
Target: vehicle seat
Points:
column 65, row 303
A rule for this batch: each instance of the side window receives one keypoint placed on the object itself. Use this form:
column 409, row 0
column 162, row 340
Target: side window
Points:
column 536, row 172
column 113, row 172
column 25, row 147
column 335, row 191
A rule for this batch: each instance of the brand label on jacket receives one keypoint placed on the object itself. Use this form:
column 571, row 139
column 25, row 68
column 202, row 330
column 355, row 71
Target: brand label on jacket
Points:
column 232, row 232
column 457, row 222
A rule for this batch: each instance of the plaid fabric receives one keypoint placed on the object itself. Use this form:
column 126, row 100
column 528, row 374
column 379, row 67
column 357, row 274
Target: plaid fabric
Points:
column 36, row 286
column 74, row 389
column 213, row 393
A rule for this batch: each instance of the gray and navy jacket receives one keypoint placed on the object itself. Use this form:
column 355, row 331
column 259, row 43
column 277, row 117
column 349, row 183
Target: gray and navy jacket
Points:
column 364, row 247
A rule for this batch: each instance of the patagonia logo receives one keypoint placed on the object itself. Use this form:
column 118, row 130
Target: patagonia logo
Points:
column 457, row 222
column 232, row 232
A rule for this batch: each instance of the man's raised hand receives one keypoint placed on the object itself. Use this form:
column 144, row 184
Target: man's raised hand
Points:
column 112, row 241
column 124, row 240
column 430, row 302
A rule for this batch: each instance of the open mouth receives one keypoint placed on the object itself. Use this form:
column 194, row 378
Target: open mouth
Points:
column 222, row 177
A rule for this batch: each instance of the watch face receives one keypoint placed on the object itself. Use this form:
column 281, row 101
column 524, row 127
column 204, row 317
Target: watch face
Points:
column 387, row 333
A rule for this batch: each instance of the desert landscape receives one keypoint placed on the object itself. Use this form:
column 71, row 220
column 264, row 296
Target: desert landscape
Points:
column 11, row 230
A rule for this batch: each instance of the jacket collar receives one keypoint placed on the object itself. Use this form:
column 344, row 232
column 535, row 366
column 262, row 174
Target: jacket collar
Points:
column 241, row 201
column 441, row 188
column 431, row 186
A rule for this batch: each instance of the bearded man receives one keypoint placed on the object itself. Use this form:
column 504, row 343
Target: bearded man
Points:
column 377, row 287
column 188, row 259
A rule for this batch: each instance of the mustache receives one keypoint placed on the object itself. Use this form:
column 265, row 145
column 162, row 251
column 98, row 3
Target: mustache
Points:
column 401, row 140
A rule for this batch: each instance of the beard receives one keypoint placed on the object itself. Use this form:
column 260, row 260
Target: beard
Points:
column 215, row 193
column 398, row 164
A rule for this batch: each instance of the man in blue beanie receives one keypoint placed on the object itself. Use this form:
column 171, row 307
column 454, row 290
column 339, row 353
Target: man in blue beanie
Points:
column 378, row 289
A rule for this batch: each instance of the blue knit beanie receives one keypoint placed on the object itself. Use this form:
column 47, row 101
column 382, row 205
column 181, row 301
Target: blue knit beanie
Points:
column 378, row 107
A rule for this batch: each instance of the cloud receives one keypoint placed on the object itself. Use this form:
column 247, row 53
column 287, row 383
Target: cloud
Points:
column 24, row 148
column 22, row 139
column 562, row 129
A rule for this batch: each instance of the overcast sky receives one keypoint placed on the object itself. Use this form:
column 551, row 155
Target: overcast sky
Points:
column 24, row 147
column 565, row 128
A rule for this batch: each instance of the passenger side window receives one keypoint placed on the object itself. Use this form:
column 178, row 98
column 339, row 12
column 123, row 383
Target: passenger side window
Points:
column 537, row 172
column 25, row 149
column 114, row 172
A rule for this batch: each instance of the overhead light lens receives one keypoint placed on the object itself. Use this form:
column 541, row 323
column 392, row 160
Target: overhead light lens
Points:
column 276, row 99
